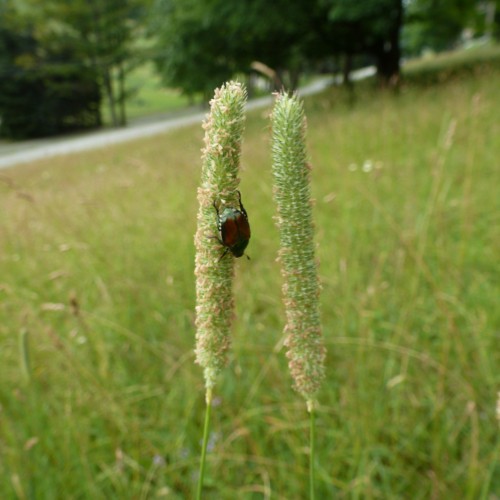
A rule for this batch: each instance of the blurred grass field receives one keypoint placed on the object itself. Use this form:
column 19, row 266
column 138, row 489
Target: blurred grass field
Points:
column 100, row 397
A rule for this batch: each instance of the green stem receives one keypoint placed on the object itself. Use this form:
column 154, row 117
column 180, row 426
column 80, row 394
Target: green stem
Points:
column 206, row 426
column 24, row 349
column 312, row 439
column 485, row 491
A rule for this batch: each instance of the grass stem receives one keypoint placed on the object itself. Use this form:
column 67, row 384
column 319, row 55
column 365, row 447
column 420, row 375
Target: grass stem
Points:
column 24, row 350
column 312, row 448
column 206, row 426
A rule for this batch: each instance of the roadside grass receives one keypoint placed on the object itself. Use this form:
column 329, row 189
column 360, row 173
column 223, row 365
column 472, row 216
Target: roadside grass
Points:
column 96, row 265
column 437, row 68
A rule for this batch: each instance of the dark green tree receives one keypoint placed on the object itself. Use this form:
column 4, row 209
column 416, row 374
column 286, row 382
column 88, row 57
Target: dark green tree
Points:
column 104, row 35
column 203, row 43
column 192, row 52
column 42, row 92
column 437, row 25
column 371, row 27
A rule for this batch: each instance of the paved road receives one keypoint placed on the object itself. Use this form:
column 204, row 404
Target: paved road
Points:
column 25, row 152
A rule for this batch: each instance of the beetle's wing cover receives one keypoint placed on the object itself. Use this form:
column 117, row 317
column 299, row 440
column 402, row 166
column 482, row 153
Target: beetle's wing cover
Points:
column 244, row 228
column 229, row 232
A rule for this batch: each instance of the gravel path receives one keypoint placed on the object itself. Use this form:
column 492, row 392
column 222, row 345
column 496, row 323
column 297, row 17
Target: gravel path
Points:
column 27, row 151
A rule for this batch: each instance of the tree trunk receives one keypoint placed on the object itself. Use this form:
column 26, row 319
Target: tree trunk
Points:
column 108, row 86
column 388, row 65
column 294, row 78
column 346, row 70
column 121, row 95
column 388, row 52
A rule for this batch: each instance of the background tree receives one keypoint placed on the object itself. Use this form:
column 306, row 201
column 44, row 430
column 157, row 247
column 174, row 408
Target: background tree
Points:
column 203, row 43
column 106, row 35
column 490, row 18
column 72, row 46
column 371, row 27
column 60, row 53
column 42, row 90
column 192, row 52
column 438, row 25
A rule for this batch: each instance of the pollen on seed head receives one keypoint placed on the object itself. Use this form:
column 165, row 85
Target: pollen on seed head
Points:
column 291, row 172
column 220, row 164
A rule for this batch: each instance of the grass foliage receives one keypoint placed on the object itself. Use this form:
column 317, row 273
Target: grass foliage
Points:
column 100, row 397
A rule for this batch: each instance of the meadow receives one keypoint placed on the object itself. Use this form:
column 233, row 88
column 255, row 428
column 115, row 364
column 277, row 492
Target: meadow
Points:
column 100, row 397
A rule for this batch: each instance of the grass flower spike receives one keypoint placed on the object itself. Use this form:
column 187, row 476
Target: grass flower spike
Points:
column 306, row 351
column 214, row 276
column 219, row 182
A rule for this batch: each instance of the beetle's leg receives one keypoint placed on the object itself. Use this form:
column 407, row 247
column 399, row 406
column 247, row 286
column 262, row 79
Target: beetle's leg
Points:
column 242, row 208
column 218, row 214
column 226, row 250
column 218, row 223
column 216, row 208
